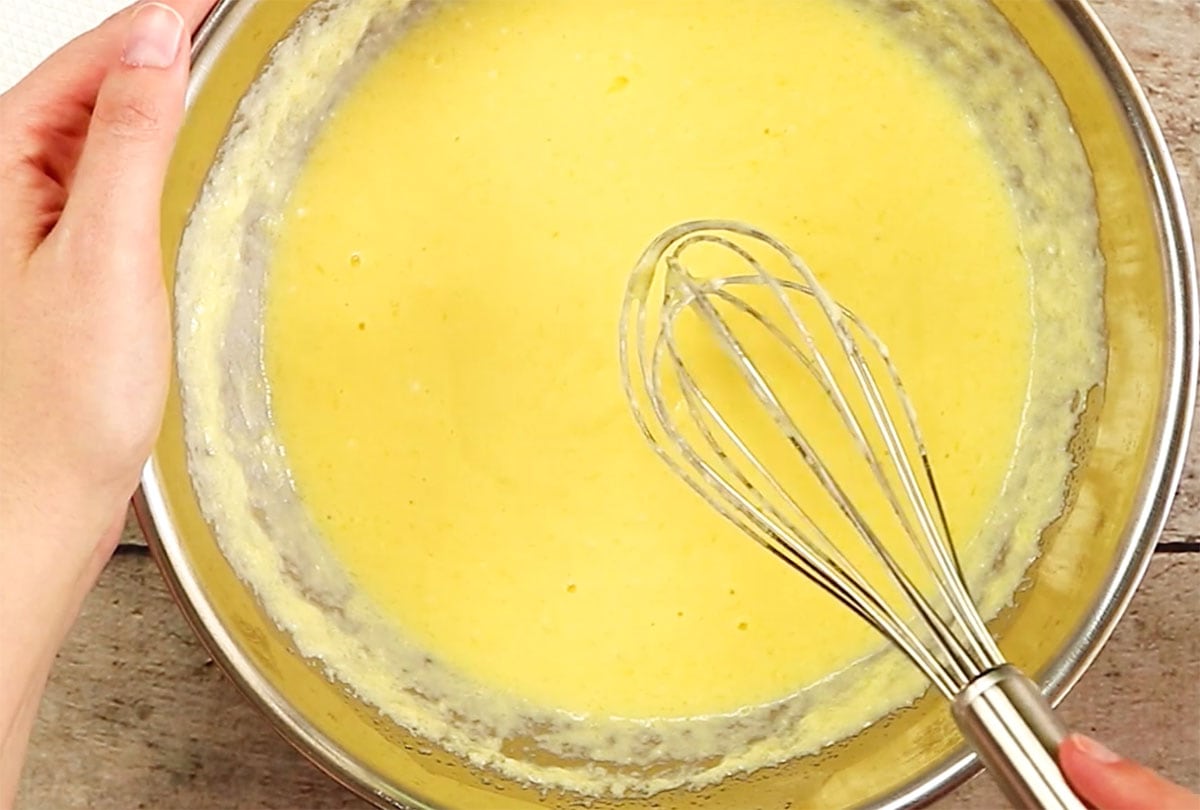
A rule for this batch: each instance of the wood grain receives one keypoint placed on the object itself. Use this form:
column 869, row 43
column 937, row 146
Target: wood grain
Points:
column 136, row 716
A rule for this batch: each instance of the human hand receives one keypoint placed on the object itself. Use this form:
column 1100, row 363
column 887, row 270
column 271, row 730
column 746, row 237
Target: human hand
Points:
column 84, row 329
column 1109, row 782
column 84, row 144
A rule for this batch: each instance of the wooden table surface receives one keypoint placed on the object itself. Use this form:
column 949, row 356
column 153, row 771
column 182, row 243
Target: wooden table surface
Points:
column 137, row 716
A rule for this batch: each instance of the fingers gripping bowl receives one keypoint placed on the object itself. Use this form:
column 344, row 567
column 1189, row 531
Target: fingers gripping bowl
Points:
column 1127, row 451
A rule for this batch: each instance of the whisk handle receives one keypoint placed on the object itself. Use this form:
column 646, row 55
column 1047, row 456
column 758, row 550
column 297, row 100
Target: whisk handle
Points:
column 1012, row 728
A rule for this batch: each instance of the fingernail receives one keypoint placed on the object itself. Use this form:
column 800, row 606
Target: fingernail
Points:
column 1094, row 749
column 155, row 34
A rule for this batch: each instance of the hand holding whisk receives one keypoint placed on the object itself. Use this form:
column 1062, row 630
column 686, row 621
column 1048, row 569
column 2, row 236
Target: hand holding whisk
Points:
column 714, row 364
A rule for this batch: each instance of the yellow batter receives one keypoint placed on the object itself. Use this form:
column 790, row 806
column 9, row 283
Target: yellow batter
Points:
column 440, row 344
column 441, row 327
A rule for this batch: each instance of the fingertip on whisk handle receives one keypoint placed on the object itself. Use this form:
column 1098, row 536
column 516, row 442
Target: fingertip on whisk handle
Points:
column 1010, row 725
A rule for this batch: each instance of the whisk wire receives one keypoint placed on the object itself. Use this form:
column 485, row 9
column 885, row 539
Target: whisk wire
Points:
column 955, row 656
column 822, row 562
column 819, row 369
column 830, row 572
column 756, row 500
column 748, row 309
column 937, row 551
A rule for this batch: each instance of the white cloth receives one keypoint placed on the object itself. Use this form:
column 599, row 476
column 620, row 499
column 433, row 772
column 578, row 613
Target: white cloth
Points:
column 30, row 30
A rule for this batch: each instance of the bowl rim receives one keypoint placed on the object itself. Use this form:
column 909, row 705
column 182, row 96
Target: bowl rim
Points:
column 1165, row 467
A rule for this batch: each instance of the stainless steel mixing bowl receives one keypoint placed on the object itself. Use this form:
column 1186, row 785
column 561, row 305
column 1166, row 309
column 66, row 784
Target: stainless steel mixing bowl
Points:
column 1130, row 452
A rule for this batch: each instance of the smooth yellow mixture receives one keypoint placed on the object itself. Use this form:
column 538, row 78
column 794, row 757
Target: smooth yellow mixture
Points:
column 439, row 340
column 441, row 327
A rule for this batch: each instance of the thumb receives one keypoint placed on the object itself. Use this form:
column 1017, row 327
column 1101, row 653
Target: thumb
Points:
column 115, row 196
column 1109, row 782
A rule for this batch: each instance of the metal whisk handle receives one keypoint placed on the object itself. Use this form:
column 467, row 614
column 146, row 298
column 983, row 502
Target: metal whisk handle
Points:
column 1012, row 728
